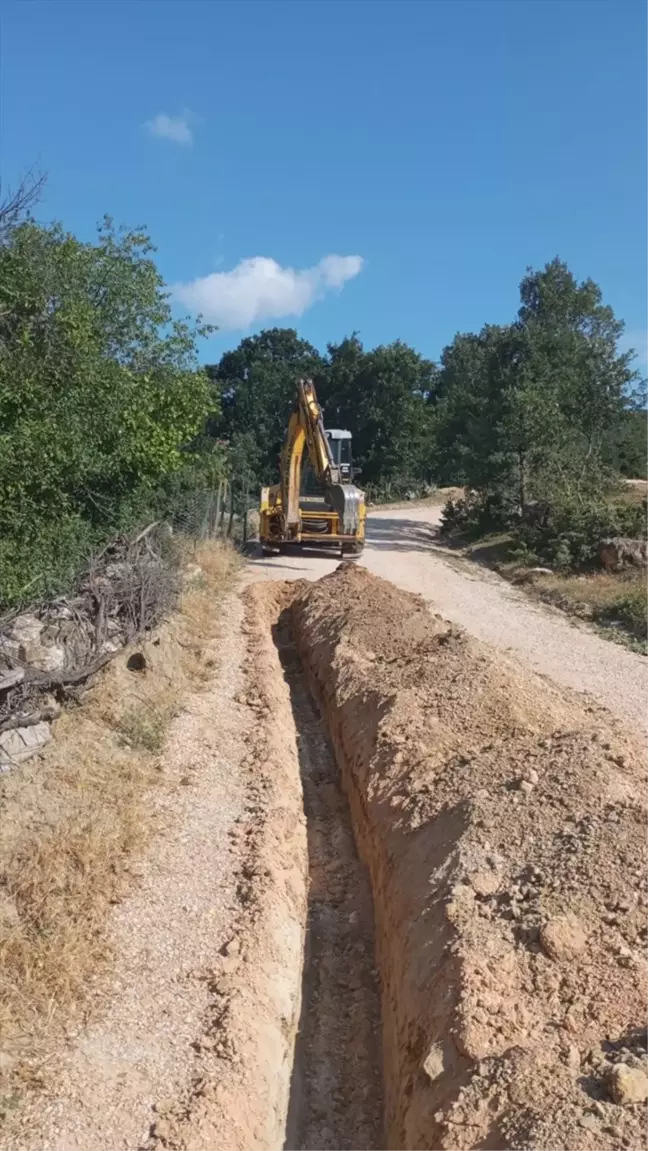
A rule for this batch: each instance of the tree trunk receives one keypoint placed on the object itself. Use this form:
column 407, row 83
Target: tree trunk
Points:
column 216, row 523
column 230, row 523
column 522, row 480
column 245, row 512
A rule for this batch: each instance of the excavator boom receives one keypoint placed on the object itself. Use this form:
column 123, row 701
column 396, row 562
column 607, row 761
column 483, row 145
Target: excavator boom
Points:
column 342, row 519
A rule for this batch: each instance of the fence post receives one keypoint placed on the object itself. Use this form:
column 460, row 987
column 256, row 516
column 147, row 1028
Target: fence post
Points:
column 246, row 509
column 216, row 523
column 230, row 522
column 221, row 527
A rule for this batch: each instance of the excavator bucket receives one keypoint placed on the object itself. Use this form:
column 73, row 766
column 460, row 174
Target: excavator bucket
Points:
column 347, row 500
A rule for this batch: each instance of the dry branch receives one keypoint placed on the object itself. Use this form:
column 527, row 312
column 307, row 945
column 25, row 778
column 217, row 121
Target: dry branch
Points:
column 126, row 590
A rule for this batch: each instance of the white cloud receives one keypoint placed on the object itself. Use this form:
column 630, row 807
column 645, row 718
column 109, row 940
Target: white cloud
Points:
column 260, row 289
column 174, row 128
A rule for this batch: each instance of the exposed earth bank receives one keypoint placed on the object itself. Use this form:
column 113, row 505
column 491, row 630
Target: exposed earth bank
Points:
column 503, row 825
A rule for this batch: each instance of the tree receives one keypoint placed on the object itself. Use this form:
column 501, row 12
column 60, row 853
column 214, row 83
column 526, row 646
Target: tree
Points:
column 254, row 387
column 571, row 360
column 99, row 391
column 525, row 410
column 16, row 206
column 625, row 447
column 384, row 397
column 469, row 410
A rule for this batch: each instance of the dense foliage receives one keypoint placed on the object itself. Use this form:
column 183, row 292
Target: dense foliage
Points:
column 383, row 396
column 539, row 418
column 529, row 411
column 99, row 391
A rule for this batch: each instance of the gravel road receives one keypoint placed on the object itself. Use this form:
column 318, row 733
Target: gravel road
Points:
column 401, row 547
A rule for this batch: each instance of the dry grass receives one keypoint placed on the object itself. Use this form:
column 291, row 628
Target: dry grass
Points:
column 74, row 819
column 616, row 600
column 633, row 492
column 437, row 498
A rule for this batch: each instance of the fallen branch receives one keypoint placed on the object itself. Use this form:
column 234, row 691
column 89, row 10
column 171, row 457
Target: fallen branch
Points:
column 47, row 680
column 43, row 716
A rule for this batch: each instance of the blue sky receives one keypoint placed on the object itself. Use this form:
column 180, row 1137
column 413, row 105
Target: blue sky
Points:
column 435, row 148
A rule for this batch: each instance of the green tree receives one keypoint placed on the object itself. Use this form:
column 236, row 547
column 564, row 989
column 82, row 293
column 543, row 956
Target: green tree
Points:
column 625, row 448
column 384, row 397
column 381, row 396
column 254, row 387
column 525, row 410
column 99, row 391
column 571, row 363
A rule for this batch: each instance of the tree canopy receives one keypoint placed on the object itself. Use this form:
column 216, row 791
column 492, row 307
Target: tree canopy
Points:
column 382, row 396
column 530, row 408
column 99, row 391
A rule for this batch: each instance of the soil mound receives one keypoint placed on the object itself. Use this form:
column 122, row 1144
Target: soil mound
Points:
column 503, row 823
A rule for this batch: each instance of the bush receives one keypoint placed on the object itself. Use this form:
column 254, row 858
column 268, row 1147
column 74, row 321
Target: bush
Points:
column 566, row 536
column 632, row 609
column 571, row 535
column 476, row 515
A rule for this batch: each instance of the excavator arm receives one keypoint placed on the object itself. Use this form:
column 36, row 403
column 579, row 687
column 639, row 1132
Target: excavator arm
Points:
column 338, row 519
column 306, row 430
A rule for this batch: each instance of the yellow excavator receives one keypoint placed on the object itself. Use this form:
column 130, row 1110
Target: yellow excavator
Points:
column 331, row 517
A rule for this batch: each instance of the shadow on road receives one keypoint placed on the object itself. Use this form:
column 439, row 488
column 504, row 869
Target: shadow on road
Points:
column 410, row 535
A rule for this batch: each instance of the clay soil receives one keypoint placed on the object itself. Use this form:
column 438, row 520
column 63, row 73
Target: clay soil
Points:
column 336, row 1092
column 503, row 826
column 472, row 894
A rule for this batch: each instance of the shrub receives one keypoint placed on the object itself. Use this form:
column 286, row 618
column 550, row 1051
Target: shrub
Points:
column 571, row 535
column 476, row 515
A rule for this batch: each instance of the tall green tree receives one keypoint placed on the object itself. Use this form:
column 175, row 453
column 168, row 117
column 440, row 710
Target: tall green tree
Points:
column 99, row 391
column 254, row 387
column 526, row 410
column 384, row 396
column 571, row 363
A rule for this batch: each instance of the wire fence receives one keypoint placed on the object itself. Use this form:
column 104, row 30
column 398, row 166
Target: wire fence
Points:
column 228, row 510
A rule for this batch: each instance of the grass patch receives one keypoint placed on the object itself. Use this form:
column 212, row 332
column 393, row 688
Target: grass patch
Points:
column 144, row 728
column 615, row 601
column 497, row 551
column 73, row 820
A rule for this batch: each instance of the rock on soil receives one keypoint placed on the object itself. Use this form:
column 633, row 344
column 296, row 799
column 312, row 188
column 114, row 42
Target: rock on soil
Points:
column 562, row 938
column 510, row 922
column 21, row 743
column 628, row 1084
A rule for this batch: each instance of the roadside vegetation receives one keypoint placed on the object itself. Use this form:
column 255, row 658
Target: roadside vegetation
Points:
column 541, row 420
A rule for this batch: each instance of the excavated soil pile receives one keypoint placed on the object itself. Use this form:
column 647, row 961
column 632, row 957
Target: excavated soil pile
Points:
column 503, row 826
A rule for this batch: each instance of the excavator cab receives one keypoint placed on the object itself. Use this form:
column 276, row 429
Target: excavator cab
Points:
column 340, row 445
column 316, row 503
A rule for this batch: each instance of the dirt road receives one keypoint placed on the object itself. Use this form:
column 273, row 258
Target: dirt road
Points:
column 401, row 548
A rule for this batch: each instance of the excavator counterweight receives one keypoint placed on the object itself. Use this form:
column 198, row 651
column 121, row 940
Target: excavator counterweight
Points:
column 333, row 518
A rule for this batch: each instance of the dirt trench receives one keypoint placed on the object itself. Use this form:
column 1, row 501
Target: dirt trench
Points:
column 474, row 977
column 336, row 1087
